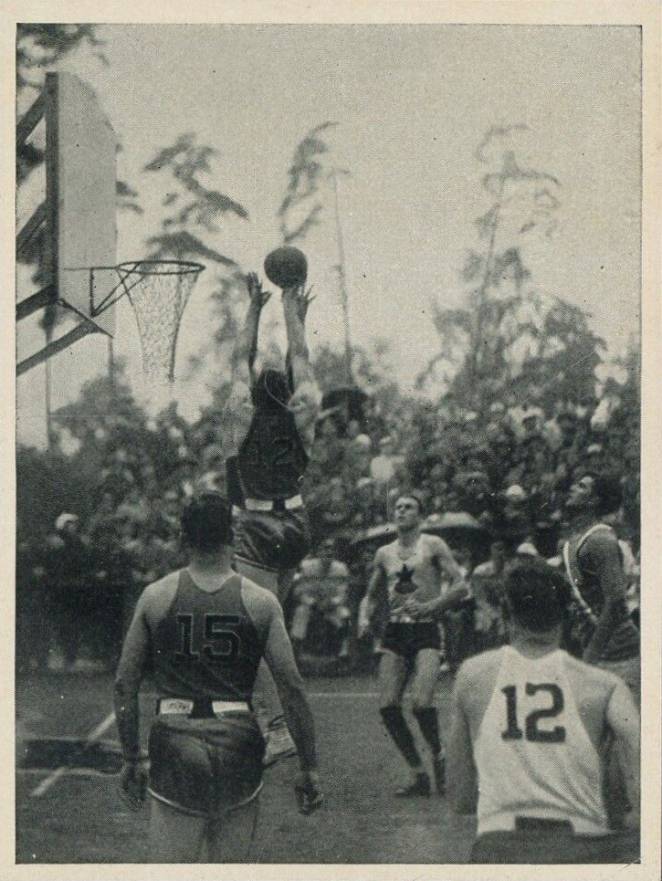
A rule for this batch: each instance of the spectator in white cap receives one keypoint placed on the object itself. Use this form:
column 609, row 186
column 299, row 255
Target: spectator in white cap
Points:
column 384, row 466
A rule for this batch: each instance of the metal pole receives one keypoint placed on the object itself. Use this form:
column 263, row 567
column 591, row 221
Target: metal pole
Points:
column 342, row 281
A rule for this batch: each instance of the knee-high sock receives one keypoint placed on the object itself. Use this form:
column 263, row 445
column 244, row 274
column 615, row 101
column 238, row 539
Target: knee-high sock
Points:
column 397, row 727
column 428, row 722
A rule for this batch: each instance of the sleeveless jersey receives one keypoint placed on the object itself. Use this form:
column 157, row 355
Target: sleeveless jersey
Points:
column 533, row 754
column 206, row 644
column 272, row 458
column 589, row 601
column 418, row 575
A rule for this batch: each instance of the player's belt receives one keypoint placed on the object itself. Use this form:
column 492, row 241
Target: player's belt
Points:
column 201, row 708
column 266, row 505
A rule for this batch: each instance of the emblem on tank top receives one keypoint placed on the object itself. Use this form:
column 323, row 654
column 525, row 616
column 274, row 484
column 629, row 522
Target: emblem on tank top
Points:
column 404, row 584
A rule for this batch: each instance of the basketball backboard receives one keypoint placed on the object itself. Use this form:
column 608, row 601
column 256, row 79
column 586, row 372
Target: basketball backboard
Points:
column 81, row 228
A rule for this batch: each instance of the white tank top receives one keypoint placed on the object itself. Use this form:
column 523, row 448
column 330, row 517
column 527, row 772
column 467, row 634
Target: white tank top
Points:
column 533, row 754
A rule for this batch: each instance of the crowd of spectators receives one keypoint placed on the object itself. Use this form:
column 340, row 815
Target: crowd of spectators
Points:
column 509, row 468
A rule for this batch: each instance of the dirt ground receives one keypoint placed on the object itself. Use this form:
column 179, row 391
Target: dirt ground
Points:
column 75, row 815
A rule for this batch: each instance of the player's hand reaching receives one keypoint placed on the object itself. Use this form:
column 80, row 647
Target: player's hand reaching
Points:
column 308, row 793
column 258, row 297
column 301, row 299
column 133, row 784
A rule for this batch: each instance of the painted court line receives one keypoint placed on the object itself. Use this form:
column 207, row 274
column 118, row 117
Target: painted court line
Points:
column 55, row 775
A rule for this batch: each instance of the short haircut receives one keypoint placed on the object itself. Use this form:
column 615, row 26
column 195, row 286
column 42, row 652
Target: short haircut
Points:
column 608, row 491
column 412, row 494
column 207, row 523
column 536, row 595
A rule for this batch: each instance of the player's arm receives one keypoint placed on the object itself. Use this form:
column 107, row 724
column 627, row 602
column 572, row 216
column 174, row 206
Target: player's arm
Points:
column 602, row 555
column 130, row 672
column 623, row 720
column 461, row 775
column 280, row 659
column 376, row 584
column 457, row 592
column 305, row 401
column 238, row 408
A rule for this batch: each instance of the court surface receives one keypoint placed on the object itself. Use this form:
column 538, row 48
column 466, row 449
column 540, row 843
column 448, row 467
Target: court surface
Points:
column 67, row 813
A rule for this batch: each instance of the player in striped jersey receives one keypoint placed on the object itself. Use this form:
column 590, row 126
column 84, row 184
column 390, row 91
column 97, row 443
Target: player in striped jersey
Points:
column 528, row 724
column 201, row 632
column 594, row 566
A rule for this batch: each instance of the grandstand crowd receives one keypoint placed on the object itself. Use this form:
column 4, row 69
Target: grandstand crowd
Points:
column 506, row 470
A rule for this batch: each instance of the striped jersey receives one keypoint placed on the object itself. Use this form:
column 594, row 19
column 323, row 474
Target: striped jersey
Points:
column 588, row 599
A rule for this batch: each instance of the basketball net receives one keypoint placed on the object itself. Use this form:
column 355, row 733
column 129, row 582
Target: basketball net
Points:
column 159, row 291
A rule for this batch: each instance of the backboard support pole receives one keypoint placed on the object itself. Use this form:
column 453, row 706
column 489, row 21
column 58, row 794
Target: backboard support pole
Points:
column 29, row 120
column 30, row 228
column 42, row 298
column 81, row 330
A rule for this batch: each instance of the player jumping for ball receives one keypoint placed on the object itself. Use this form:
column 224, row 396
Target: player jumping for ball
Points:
column 270, row 417
column 411, row 570
column 202, row 632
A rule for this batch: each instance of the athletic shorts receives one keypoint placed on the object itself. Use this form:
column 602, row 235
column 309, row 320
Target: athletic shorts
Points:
column 555, row 845
column 205, row 767
column 408, row 639
column 275, row 540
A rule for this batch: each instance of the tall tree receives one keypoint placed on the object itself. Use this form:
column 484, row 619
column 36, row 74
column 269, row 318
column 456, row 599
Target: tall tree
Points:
column 194, row 210
column 302, row 209
column 506, row 337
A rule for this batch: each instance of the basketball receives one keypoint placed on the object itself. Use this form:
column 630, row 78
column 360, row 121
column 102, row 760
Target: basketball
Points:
column 286, row 267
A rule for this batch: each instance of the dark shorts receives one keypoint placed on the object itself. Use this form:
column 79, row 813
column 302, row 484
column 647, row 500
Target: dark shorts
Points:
column 555, row 845
column 408, row 639
column 205, row 767
column 275, row 540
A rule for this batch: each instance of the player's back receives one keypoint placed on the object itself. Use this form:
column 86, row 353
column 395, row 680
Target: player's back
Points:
column 536, row 724
column 206, row 643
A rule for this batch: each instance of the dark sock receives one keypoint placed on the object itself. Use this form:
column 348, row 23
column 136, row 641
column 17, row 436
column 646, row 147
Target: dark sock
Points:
column 397, row 727
column 428, row 722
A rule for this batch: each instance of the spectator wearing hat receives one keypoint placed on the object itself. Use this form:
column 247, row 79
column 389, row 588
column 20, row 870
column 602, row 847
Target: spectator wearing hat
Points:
column 384, row 467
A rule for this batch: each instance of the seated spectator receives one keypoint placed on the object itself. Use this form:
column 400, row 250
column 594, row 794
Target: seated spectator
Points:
column 383, row 468
column 487, row 590
column 320, row 596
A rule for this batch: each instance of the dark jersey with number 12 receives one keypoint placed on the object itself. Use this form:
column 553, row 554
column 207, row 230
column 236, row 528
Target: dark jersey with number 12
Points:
column 199, row 643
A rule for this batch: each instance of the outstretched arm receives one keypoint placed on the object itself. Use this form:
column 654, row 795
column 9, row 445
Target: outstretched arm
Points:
column 369, row 602
column 305, row 401
column 238, row 407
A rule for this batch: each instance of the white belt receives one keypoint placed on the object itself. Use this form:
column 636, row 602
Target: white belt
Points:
column 290, row 504
column 184, row 706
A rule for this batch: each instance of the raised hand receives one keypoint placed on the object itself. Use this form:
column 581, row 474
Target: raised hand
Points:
column 303, row 300
column 308, row 793
column 258, row 297
column 133, row 784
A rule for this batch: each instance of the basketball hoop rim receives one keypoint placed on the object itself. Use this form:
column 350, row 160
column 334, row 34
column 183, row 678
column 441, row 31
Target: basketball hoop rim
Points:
column 173, row 267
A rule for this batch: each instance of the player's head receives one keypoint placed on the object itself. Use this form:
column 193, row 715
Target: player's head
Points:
column 271, row 390
column 206, row 523
column 536, row 596
column 408, row 509
column 600, row 493
column 327, row 549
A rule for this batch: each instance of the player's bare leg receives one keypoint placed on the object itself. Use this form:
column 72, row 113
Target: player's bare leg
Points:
column 230, row 839
column 266, row 703
column 393, row 675
column 175, row 837
column 426, row 674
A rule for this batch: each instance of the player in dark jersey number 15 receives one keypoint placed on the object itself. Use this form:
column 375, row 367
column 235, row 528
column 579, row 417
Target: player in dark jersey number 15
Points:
column 201, row 632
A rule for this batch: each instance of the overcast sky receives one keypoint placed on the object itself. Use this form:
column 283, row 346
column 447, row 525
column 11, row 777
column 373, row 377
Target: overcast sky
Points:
column 411, row 103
